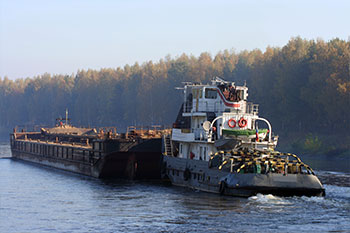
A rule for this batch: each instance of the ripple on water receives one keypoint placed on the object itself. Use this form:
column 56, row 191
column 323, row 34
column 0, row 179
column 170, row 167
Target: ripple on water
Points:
column 35, row 199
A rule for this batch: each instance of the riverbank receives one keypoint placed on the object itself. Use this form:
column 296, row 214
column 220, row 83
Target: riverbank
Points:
column 315, row 144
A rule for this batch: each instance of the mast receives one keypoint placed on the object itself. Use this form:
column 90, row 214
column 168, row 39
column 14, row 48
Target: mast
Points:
column 66, row 116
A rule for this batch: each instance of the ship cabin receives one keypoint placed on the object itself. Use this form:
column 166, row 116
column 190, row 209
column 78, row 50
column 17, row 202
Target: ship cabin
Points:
column 216, row 112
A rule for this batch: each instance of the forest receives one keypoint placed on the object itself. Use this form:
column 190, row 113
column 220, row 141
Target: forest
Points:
column 303, row 88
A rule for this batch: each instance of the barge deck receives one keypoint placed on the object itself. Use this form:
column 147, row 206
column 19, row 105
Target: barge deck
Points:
column 136, row 154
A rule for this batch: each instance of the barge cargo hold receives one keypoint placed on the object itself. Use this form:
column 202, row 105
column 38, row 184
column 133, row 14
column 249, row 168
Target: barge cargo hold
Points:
column 136, row 154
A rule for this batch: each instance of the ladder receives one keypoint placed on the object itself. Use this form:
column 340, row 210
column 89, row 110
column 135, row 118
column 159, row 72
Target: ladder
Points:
column 168, row 146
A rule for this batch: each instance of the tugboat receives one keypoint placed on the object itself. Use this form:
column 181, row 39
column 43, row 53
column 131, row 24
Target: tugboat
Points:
column 216, row 145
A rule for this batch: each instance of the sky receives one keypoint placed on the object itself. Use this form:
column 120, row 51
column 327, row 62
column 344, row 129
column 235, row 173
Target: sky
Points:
column 64, row 36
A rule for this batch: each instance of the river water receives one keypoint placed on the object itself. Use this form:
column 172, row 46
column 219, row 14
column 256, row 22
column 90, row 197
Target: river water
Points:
column 39, row 199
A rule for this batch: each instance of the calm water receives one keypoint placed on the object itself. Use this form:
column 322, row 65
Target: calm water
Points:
column 38, row 199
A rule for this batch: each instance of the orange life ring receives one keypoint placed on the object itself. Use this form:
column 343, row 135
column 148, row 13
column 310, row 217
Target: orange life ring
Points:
column 231, row 123
column 242, row 122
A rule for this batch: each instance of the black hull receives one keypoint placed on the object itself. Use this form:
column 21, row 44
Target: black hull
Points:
column 142, row 161
column 131, row 165
column 62, row 164
column 197, row 175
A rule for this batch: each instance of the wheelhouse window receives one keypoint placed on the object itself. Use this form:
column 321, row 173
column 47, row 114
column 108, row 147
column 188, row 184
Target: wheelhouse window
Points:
column 239, row 95
column 210, row 93
column 197, row 93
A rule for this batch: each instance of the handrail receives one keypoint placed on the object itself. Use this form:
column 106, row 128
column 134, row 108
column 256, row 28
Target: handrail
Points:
column 268, row 124
column 212, row 124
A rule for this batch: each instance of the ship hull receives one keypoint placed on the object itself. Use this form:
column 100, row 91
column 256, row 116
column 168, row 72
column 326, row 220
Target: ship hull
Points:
column 58, row 163
column 141, row 161
column 196, row 174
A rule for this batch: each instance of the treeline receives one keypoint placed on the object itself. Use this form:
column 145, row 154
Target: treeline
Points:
column 301, row 87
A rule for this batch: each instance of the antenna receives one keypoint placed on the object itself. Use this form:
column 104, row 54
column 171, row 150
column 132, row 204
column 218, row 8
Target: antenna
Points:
column 66, row 116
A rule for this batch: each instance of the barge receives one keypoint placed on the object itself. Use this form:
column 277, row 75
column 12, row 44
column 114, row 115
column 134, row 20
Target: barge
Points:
column 217, row 145
column 136, row 154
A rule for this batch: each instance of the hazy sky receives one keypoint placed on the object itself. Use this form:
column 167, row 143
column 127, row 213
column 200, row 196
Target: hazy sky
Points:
column 62, row 36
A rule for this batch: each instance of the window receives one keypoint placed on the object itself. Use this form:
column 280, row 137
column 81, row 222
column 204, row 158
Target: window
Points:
column 197, row 93
column 240, row 95
column 205, row 153
column 210, row 93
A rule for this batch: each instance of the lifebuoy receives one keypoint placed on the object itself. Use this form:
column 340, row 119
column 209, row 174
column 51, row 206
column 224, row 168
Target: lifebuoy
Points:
column 231, row 123
column 242, row 122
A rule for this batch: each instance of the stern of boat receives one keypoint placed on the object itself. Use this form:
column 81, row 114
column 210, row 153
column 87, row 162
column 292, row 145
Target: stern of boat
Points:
column 273, row 183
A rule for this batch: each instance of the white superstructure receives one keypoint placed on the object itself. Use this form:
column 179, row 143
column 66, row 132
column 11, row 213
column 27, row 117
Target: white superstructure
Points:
column 216, row 116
